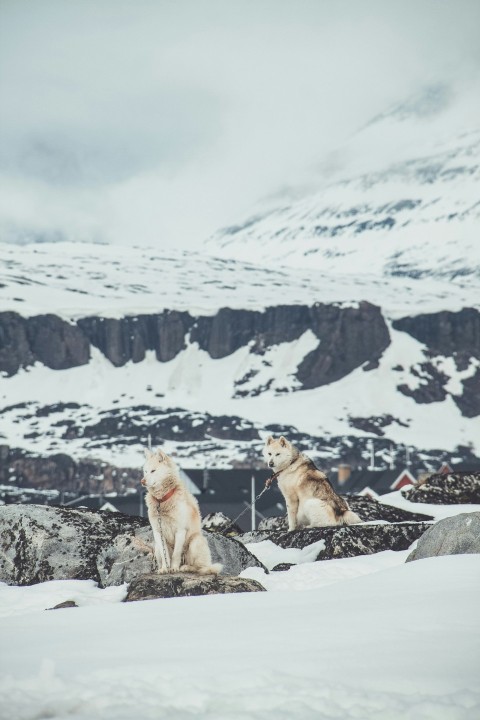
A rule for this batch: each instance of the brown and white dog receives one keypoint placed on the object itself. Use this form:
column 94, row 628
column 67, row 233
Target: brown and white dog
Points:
column 311, row 500
column 175, row 519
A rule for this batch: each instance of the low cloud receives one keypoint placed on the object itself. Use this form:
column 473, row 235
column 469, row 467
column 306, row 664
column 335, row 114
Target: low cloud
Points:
column 158, row 122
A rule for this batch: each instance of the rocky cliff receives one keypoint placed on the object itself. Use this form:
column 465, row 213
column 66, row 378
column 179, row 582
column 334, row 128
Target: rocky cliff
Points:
column 446, row 335
column 348, row 337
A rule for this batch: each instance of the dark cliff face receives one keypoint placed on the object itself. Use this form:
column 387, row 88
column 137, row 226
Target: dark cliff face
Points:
column 228, row 330
column 446, row 334
column 454, row 334
column 130, row 337
column 44, row 338
column 348, row 337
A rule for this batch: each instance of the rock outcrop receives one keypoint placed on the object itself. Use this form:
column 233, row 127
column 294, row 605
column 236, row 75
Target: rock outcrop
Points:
column 349, row 337
column 40, row 543
column 346, row 541
column 62, row 472
column 446, row 334
column 217, row 522
column 44, row 338
column 152, row 585
column 454, row 334
column 452, row 536
column 366, row 508
column 442, row 489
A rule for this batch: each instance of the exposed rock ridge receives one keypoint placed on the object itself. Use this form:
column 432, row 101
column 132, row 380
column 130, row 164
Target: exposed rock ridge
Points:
column 348, row 337
column 446, row 334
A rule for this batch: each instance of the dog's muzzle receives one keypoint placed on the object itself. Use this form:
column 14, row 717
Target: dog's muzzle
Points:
column 143, row 481
column 271, row 464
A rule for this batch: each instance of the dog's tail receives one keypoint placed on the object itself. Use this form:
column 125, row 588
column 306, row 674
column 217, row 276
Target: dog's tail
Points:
column 213, row 569
column 350, row 518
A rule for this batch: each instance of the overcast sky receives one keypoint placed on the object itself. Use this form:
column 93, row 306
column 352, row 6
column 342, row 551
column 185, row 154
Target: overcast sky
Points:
column 151, row 122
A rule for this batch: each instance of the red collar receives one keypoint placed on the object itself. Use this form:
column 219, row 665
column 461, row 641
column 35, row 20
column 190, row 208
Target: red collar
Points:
column 167, row 495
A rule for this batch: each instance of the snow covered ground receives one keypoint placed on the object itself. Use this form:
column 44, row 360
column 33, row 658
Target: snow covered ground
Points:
column 368, row 637
column 75, row 280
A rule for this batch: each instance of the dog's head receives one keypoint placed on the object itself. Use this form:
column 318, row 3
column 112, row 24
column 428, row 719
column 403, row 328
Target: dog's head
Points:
column 277, row 453
column 156, row 468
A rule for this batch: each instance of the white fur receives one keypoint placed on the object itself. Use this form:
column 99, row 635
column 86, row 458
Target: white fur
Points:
column 176, row 522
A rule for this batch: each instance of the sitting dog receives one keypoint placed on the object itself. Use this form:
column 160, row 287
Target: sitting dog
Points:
column 175, row 519
column 311, row 500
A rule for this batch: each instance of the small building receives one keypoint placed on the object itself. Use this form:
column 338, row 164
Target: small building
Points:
column 372, row 482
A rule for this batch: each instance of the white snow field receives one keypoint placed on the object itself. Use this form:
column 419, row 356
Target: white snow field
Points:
column 401, row 642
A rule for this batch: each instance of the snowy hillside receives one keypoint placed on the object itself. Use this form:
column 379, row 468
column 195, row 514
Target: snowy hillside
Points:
column 74, row 280
column 101, row 346
column 400, row 199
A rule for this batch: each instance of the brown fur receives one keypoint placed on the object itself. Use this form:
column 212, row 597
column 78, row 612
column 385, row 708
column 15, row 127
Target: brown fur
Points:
column 311, row 500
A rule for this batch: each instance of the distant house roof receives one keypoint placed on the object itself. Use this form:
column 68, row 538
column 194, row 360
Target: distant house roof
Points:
column 131, row 504
column 233, row 483
column 188, row 482
column 109, row 506
column 379, row 481
column 467, row 467
column 444, row 468
column 271, row 506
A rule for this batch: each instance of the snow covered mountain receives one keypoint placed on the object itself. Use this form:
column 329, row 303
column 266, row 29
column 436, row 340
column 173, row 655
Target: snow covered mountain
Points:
column 350, row 314
column 401, row 199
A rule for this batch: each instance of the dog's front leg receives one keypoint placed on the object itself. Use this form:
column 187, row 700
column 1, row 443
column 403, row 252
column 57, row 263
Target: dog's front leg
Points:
column 292, row 512
column 180, row 536
column 161, row 553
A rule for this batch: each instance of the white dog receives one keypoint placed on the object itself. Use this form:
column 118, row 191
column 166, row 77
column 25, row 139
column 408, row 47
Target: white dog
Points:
column 175, row 519
column 311, row 500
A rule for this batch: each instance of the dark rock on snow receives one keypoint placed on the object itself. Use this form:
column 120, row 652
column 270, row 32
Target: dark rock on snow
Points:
column 220, row 523
column 153, row 585
column 63, row 605
column 452, row 536
column 39, row 543
column 367, row 509
column 451, row 489
column 271, row 524
column 347, row 540
column 231, row 553
column 283, row 566
column 446, row 334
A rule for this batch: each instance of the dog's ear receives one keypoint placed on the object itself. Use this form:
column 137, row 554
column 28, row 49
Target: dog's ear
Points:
column 269, row 440
column 283, row 441
column 161, row 455
column 148, row 453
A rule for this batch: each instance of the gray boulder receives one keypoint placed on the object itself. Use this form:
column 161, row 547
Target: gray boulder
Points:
column 348, row 540
column 39, row 543
column 452, row 536
column 153, row 585
column 451, row 489
column 219, row 523
column 64, row 605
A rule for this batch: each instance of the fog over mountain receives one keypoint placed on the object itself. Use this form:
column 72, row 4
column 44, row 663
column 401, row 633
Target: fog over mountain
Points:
column 159, row 122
